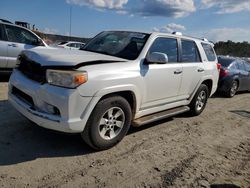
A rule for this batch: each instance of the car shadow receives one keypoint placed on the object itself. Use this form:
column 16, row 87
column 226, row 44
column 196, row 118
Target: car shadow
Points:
column 134, row 130
column 224, row 186
column 4, row 77
column 22, row 141
column 40, row 143
column 220, row 95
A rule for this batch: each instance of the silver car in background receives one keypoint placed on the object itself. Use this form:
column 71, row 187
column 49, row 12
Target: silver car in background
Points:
column 14, row 39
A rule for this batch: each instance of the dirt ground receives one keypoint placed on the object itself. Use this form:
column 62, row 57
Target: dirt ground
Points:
column 211, row 150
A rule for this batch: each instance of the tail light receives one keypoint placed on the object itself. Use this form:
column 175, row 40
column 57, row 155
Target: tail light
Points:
column 218, row 66
column 223, row 73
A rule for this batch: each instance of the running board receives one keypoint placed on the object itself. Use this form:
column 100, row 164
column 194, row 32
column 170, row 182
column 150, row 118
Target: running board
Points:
column 159, row 116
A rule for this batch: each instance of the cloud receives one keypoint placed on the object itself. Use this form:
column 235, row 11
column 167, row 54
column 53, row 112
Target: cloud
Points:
column 101, row 4
column 145, row 8
column 170, row 28
column 50, row 31
column 167, row 8
column 225, row 34
column 227, row 6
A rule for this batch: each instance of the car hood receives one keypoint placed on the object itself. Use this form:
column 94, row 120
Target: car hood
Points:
column 63, row 57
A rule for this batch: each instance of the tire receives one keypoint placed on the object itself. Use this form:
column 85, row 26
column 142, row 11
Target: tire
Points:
column 199, row 101
column 232, row 90
column 108, row 123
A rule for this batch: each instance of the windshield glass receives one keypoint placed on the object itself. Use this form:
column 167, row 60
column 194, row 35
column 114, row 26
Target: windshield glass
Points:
column 123, row 44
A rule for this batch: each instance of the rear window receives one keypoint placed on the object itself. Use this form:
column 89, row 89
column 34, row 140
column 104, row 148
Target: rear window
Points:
column 209, row 51
column 225, row 62
column 190, row 52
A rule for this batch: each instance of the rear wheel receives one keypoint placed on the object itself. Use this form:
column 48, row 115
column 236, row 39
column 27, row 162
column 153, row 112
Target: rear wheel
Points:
column 199, row 101
column 232, row 90
column 108, row 123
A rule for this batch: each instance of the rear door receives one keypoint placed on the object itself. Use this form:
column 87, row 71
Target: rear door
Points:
column 193, row 68
column 243, row 75
column 3, row 48
column 247, row 66
column 18, row 40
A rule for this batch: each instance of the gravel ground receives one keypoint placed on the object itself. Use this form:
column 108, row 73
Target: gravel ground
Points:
column 210, row 150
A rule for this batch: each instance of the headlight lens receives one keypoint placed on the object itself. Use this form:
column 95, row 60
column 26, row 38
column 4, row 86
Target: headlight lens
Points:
column 68, row 79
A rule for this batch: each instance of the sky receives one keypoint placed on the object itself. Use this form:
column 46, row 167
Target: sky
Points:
column 216, row 20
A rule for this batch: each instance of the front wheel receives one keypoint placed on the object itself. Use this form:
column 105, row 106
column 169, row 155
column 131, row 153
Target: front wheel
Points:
column 199, row 101
column 108, row 123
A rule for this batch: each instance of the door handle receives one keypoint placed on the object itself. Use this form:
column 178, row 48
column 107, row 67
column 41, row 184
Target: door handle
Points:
column 200, row 70
column 12, row 45
column 177, row 71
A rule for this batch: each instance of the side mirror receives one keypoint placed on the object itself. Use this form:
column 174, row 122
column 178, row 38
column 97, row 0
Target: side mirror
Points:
column 157, row 57
column 37, row 42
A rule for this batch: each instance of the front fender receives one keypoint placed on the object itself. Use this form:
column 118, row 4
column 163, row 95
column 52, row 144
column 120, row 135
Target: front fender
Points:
column 121, row 88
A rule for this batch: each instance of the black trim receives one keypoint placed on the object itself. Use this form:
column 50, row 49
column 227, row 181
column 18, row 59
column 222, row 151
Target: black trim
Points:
column 79, row 65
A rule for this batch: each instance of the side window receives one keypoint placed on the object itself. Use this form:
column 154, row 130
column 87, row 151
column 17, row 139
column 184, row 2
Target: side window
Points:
column 241, row 66
column 2, row 32
column 247, row 65
column 190, row 52
column 233, row 66
column 71, row 45
column 17, row 34
column 209, row 51
column 77, row 45
column 167, row 46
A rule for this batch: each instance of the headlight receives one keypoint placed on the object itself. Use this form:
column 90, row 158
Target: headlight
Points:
column 68, row 79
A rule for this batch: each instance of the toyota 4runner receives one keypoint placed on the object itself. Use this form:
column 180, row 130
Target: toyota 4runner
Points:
column 119, row 79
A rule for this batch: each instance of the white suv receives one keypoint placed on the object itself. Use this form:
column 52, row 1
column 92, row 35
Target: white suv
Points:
column 120, row 79
column 14, row 39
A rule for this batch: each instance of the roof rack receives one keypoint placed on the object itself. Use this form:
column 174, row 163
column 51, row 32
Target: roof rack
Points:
column 177, row 33
column 5, row 21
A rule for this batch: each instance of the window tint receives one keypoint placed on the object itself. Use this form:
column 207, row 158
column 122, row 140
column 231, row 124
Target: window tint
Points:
column 16, row 34
column 241, row 65
column 1, row 32
column 71, row 45
column 167, row 46
column 233, row 66
column 190, row 52
column 77, row 45
column 209, row 51
column 247, row 65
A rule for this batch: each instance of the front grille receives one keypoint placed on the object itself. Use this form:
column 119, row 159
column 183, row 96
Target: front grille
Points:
column 32, row 70
column 22, row 96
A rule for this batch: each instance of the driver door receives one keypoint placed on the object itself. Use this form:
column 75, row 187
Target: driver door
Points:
column 162, row 81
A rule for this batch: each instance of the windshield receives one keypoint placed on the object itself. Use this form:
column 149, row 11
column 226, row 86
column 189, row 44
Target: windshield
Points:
column 123, row 44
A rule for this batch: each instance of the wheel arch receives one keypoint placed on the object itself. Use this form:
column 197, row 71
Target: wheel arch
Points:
column 126, row 94
column 209, row 84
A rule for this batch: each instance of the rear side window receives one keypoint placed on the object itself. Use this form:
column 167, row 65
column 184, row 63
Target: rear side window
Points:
column 1, row 32
column 17, row 34
column 241, row 65
column 167, row 46
column 247, row 65
column 190, row 52
column 209, row 51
